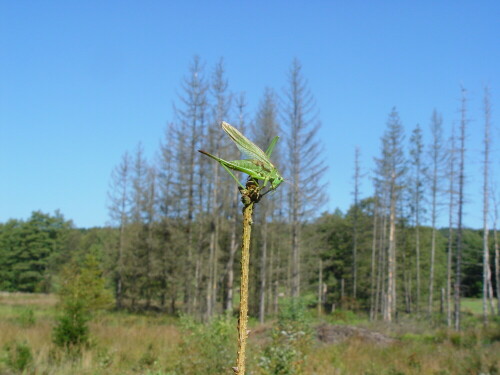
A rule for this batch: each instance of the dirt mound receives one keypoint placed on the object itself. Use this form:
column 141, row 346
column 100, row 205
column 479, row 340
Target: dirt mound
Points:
column 334, row 334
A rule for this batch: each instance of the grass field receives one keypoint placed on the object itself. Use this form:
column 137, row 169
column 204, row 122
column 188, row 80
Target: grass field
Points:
column 155, row 344
column 474, row 305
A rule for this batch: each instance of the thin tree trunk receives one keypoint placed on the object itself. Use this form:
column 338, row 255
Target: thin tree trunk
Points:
column 380, row 295
column 342, row 294
column 416, row 150
column 270, row 275
column 263, row 271
column 437, row 157
column 373, row 265
column 188, row 271
column 431, row 271
column 461, row 181
column 497, row 259
column 486, row 250
column 214, row 239
column 391, row 258
column 448, row 275
column 355, row 224
column 233, row 246
column 295, row 292
column 406, row 283
column 320, row 288
column 441, row 305
column 119, row 284
column 417, row 266
column 451, row 210
column 118, row 211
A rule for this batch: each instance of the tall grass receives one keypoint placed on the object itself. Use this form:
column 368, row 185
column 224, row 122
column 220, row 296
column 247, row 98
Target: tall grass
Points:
column 123, row 343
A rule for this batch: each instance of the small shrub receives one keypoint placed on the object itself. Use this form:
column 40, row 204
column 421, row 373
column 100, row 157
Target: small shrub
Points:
column 291, row 339
column 206, row 348
column 18, row 356
column 72, row 329
column 83, row 293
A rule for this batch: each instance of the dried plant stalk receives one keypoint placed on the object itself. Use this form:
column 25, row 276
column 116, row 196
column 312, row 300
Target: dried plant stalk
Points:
column 245, row 261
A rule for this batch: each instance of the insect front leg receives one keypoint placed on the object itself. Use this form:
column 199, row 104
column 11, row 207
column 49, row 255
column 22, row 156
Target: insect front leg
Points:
column 266, row 180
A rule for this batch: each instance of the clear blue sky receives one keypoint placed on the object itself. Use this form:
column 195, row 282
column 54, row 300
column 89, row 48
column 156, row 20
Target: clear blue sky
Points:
column 83, row 82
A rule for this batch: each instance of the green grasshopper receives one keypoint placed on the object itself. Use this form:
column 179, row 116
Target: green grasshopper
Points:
column 258, row 166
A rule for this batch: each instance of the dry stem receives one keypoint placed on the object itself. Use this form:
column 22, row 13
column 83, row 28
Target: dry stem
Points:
column 249, row 197
column 245, row 260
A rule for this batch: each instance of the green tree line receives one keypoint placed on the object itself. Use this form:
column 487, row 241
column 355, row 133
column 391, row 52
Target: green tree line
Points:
column 172, row 243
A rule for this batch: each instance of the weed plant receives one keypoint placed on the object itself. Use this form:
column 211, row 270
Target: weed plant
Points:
column 291, row 340
column 18, row 356
column 206, row 348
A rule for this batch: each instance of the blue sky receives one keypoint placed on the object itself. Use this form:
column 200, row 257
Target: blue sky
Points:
column 83, row 82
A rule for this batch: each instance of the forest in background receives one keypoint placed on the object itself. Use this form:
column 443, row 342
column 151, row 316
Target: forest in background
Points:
column 173, row 244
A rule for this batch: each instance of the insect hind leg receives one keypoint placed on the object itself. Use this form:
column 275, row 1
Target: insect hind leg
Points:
column 232, row 175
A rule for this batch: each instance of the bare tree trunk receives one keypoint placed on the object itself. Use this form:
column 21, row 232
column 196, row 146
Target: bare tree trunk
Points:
column 263, row 269
column 391, row 259
column 270, row 273
column 448, row 275
column 214, row 239
column 406, row 283
column 431, row 271
column 119, row 197
column 305, row 162
column 380, row 295
column 119, row 282
column 451, row 211
column 461, row 182
column 391, row 168
column 441, row 305
column 436, row 157
column 276, row 297
column 373, row 264
column 342, row 293
column 486, row 250
column 355, row 224
column 416, row 151
column 497, row 257
column 295, row 292
column 272, row 279
column 320, row 288
column 417, row 268
column 233, row 246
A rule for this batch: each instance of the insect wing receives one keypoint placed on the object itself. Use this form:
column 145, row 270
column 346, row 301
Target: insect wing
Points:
column 246, row 146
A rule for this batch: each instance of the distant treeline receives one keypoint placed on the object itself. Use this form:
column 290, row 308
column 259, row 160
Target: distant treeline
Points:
column 174, row 240
column 34, row 251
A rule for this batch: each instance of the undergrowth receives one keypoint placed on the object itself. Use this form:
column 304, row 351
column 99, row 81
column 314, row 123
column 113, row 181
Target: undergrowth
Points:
column 153, row 344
